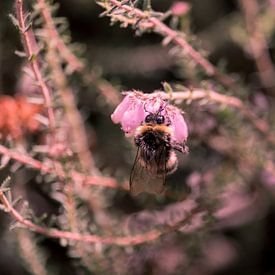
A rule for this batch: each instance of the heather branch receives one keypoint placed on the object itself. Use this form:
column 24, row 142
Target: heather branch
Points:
column 79, row 137
column 111, row 240
column 78, row 134
column 73, row 62
column 30, row 253
column 258, row 43
column 50, row 169
column 158, row 26
column 198, row 94
column 231, row 101
column 171, row 35
column 74, row 221
column 30, row 46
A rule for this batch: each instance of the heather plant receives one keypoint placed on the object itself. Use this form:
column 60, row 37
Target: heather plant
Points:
column 68, row 131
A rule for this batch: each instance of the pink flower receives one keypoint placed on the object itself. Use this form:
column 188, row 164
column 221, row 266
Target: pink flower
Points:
column 121, row 108
column 179, row 126
column 180, row 8
column 133, row 117
column 133, row 109
column 130, row 113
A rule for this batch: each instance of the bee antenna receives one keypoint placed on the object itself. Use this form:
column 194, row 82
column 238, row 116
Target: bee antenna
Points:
column 145, row 108
column 162, row 107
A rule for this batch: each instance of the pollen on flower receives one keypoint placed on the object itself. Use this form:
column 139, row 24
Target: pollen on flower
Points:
column 135, row 106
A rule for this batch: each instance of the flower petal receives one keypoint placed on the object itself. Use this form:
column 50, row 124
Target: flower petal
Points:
column 120, row 110
column 179, row 127
column 133, row 118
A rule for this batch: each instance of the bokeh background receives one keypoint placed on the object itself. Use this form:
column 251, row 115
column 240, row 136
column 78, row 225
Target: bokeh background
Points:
column 227, row 160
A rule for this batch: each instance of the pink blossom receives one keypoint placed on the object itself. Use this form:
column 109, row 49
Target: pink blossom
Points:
column 121, row 108
column 179, row 126
column 133, row 117
column 180, row 8
column 133, row 109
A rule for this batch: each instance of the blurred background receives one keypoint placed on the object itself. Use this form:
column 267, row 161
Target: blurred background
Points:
column 230, row 163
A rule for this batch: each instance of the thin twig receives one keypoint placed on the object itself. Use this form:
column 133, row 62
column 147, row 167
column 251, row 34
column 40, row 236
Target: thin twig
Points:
column 50, row 169
column 79, row 138
column 77, row 133
column 30, row 253
column 159, row 27
column 115, row 240
column 232, row 101
column 258, row 44
column 73, row 62
column 30, row 46
column 198, row 94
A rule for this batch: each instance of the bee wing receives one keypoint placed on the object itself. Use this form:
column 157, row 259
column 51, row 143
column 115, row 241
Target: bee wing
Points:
column 146, row 178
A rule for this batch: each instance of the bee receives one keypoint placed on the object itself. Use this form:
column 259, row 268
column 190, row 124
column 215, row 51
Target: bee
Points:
column 155, row 156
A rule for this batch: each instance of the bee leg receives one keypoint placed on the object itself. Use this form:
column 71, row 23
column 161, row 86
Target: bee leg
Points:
column 183, row 148
column 138, row 140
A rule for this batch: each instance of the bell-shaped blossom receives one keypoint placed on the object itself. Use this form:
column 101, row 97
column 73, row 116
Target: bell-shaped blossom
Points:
column 121, row 109
column 133, row 117
column 178, row 126
column 133, row 109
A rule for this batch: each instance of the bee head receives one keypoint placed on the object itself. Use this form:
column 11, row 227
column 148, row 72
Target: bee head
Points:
column 154, row 118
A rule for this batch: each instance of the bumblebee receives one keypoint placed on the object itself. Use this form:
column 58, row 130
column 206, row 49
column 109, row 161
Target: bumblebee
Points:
column 155, row 156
